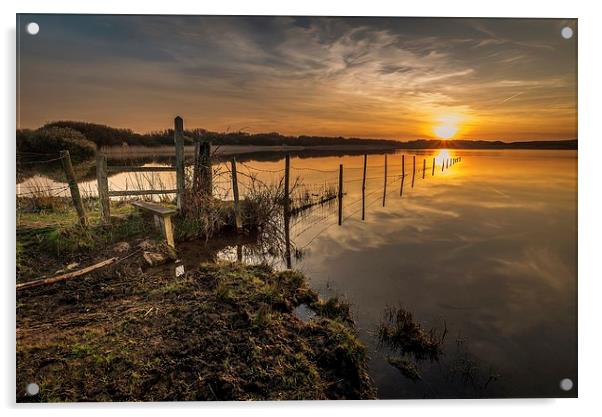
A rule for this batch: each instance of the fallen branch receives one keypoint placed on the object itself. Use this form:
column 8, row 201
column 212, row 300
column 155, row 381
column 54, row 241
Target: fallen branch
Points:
column 64, row 277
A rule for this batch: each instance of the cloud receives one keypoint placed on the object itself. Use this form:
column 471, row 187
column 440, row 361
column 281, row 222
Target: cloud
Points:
column 337, row 76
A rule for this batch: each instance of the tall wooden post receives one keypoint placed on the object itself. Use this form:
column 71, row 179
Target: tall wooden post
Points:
column 287, row 212
column 403, row 174
column 364, row 188
column 385, row 186
column 103, row 188
column 413, row 169
column 206, row 170
column 433, row 173
column 340, row 194
column 75, row 196
column 179, row 143
column 423, row 167
column 235, row 193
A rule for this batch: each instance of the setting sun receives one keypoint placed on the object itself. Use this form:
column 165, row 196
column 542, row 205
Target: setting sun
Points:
column 445, row 131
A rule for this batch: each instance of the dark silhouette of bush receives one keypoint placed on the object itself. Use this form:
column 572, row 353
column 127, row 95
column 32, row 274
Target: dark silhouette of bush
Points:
column 53, row 140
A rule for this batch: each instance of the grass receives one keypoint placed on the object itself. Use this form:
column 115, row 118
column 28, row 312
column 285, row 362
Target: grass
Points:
column 220, row 332
column 399, row 331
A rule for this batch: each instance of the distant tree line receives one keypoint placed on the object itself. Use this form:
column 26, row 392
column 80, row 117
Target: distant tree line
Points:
column 81, row 138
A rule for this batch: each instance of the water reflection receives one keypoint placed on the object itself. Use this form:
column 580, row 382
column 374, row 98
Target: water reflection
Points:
column 489, row 246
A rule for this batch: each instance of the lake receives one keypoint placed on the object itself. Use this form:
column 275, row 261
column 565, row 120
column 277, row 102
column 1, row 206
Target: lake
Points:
column 486, row 249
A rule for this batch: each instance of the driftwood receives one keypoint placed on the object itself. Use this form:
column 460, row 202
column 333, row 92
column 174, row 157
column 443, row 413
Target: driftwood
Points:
column 64, row 277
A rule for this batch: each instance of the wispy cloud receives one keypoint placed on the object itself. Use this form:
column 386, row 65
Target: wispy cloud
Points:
column 337, row 76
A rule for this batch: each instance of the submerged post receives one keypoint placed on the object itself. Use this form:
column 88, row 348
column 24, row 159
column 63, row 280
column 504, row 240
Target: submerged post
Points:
column 287, row 201
column 235, row 193
column 364, row 188
column 340, row 194
column 413, row 169
column 178, row 136
column 423, row 167
column 73, row 188
column 103, row 188
column 433, row 173
column 385, row 187
column 287, row 211
column 403, row 174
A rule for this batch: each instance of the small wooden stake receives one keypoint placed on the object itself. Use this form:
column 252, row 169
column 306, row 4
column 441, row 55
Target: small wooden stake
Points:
column 235, row 193
column 75, row 196
column 385, row 187
column 340, row 194
column 103, row 188
column 403, row 174
column 364, row 188
column 433, row 173
column 423, row 167
column 413, row 169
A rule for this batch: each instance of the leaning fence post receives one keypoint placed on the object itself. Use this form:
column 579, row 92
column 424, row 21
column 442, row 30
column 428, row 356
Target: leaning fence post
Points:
column 75, row 196
column 385, row 186
column 340, row 194
column 103, row 188
column 235, row 193
column 403, row 174
column 364, row 188
column 179, row 143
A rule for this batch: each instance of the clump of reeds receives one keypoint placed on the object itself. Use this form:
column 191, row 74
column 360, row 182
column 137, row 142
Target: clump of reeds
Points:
column 400, row 332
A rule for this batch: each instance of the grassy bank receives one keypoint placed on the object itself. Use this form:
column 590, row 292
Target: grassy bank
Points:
column 220, row 332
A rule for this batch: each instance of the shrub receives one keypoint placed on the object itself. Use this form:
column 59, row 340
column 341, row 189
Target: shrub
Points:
column 54, row 139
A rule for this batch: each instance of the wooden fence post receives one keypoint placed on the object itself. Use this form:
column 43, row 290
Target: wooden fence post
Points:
column 179, row 143
column 385, row 187
column 235, row 193
column 206, row 170
column 403, row 174
column 413, row 169
column 340, row 194
column 103, row 188
column 433, row 173
column 423, row 167
column 75, row 196
column 364, row 188
column 287, row 175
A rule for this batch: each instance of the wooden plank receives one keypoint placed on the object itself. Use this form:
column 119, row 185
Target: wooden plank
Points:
column 125, row 168
column 140, row 192
column 64, row 277
column 154, row 207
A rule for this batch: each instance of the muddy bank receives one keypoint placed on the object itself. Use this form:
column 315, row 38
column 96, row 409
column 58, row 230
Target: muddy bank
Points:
column 221, row 331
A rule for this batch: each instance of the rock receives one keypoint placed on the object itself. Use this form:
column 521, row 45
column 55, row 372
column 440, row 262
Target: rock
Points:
column 121, row 247
column 147, row 244
column 154, row 258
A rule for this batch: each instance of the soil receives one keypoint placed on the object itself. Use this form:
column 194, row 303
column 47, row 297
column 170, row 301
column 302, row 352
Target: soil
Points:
column 220, row 331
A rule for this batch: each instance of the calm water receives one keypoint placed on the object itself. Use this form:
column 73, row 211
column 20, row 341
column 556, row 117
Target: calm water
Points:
column 487, row 249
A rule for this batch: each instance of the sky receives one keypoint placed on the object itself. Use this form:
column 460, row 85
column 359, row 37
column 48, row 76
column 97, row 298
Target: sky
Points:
column 396, row 78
